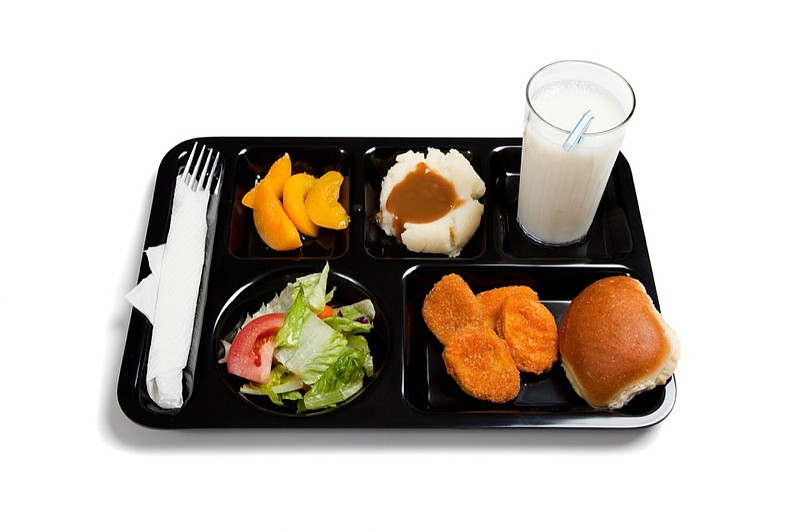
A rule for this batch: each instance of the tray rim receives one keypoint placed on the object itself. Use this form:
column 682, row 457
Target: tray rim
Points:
column 529, row 420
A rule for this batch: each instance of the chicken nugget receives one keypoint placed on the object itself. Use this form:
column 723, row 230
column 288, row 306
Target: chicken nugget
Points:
column 491, row 301
column 480, row 362
column 530, row 331
column 449, row 306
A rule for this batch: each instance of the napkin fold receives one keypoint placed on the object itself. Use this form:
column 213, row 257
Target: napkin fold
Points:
column 168, row 297
column 143, row 295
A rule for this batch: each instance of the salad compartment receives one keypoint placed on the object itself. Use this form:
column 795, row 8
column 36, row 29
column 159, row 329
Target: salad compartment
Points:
column 409, row 387
column 247, row 301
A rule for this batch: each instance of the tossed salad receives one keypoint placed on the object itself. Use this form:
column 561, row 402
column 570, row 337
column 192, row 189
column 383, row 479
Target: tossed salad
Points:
column 298, row 348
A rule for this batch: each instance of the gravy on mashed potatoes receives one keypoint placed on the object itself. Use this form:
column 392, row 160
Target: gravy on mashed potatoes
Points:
column 431, row 204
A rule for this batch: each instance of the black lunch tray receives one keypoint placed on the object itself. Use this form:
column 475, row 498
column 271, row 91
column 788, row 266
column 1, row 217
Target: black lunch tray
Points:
column 410, row 387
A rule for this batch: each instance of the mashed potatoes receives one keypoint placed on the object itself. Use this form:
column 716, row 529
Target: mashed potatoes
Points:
column 430, row 204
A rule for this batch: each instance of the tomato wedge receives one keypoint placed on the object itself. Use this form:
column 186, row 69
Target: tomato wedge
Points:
column 250, row 355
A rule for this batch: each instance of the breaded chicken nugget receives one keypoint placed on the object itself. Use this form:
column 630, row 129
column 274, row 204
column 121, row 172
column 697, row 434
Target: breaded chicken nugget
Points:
column 449, row 306
column 480, row 362
column 491, row 301
column 530, row 331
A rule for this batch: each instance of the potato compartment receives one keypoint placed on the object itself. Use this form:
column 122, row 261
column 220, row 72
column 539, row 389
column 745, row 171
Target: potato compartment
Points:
column 377, row 162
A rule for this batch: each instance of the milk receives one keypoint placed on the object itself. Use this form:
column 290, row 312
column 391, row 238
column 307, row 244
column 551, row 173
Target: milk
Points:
column 560, row 190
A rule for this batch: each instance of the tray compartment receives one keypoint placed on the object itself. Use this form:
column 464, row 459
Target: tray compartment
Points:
column 377, row 162
column 262, row 290
column 609, row 237
column 253, row 163
column 427, row 386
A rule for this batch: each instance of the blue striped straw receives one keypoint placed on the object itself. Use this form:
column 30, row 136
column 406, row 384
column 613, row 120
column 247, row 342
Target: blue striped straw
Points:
column 577, row 132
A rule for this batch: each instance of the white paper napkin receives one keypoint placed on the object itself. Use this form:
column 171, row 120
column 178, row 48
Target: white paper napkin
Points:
column 143, row 295
column 168, row 296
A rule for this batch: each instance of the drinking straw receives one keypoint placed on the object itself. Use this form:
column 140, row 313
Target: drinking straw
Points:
column 577, row 132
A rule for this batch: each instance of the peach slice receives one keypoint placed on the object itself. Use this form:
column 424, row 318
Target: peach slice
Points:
column 295, row 192
column 272, row 224
column 322, row 202
column 278, row 173
column 249, row 198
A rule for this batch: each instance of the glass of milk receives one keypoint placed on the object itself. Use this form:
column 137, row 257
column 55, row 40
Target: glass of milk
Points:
column 560, row 187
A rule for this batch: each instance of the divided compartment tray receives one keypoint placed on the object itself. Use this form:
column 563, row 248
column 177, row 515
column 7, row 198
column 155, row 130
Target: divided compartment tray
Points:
column 410, row 387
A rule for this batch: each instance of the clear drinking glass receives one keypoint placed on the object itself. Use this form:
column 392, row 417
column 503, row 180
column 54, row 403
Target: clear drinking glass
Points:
column 560, row 187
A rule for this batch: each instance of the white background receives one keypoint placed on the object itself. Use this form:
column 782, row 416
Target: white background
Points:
column 95, row 93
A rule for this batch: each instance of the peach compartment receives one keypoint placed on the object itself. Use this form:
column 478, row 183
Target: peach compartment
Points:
column 253, row 163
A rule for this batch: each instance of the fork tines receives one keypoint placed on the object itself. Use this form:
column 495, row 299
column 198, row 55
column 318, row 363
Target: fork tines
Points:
column 206, row 179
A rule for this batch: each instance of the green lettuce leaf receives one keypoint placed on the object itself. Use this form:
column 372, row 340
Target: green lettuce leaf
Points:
column 293, row 322
column 282, row 386
column 314, row 287
column 360, row 343
column 318, row 347
column 353, row 319
column 341, row 380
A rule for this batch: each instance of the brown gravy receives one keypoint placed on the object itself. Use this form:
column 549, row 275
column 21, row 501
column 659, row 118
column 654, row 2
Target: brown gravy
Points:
column 422, row 196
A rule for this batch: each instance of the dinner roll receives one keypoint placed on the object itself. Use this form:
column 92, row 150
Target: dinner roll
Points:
column 614, row 343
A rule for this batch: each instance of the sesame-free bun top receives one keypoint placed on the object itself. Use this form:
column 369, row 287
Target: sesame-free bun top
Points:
column 614, row 343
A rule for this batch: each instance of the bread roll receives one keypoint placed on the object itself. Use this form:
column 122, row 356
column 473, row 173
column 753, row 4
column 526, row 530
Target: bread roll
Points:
column 614, row 343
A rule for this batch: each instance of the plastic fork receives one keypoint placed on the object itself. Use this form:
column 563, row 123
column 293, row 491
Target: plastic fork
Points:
column 205, row 181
